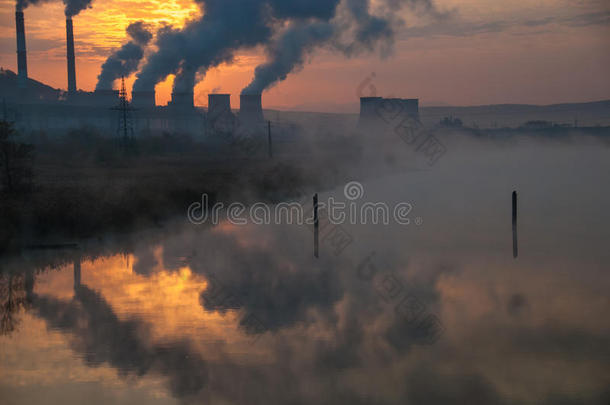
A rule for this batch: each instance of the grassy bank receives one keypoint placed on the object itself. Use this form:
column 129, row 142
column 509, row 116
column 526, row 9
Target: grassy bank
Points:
column 84, row 185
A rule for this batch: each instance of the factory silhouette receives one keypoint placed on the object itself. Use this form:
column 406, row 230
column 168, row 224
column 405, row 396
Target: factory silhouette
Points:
column 34, row 106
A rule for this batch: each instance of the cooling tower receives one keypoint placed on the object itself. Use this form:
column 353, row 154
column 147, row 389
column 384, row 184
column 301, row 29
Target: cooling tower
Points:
column 143, row 99
column 368, row 108
column 106, row 97
column 219, row 105
column 220, row 119
column 22, row 58
column 251, row 109
column 378, row 110
column 410, row 107
column 71, row 58
column 413, row 106
column 182, row 99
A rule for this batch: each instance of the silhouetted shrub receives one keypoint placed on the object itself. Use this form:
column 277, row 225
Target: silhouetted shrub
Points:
column 15, row 160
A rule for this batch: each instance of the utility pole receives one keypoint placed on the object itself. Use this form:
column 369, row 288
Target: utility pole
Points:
column 269, row 140
column 125, row 129
column 515, row 243
column 316, row 226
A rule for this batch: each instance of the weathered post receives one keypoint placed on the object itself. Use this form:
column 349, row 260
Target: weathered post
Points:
column 269, row 140
column 77, row 271
column 316, row 226
column 515, row 245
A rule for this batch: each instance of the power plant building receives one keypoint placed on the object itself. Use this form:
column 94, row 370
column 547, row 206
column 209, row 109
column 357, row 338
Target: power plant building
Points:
column 378, row 110
column 37, row 107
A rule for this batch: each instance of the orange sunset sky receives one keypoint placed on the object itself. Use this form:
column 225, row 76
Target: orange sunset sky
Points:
column 487, row 52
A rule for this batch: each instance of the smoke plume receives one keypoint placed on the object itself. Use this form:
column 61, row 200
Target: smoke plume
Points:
column 288, row 52
column 226, row 26
column 97, row 333
column 289, row 30
column 126, row 59
column 21, row 5
column 352, row 30
column 73, row 7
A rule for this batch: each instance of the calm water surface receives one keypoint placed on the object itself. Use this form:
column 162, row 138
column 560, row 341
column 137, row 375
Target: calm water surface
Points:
column 434, row 312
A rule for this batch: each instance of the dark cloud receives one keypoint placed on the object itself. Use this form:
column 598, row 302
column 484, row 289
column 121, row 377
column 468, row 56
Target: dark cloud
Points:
column 364, row 31
column 250, row 26
column 431, row 387
column 73, row 7
column 587, row 19
column 21, row 5
column 289, row 30
column 289, row 52
column 277, row 296
column 208, row 41
column 455, row 29
column 460, row 28
column 126, row 59
column 139, row 33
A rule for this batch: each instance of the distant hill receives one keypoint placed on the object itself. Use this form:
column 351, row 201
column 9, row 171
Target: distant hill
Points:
column 486, row 116
column 512, row 115
column 36, row 91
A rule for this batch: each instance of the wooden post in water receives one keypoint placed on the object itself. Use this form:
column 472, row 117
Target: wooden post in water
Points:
column 76, row 272
column 316, row 226
column 515, row 245
column 269, row 140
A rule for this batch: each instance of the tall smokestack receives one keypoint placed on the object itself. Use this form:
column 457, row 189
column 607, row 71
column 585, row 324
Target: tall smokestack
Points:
column 71, row 59
column 22, row 59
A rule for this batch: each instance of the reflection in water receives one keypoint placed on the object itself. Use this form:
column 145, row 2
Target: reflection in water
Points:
column 100, row 337
column 246, row 315
column 12, row 299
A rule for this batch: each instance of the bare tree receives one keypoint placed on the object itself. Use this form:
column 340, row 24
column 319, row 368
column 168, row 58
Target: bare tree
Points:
column 12, row 297
column 15, row 159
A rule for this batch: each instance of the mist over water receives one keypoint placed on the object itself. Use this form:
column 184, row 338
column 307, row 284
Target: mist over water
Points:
column 166, row 315
column 181, row 254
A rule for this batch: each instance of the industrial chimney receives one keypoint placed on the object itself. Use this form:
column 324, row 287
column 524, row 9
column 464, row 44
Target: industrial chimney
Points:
column 251, row 109
column 22, row 59
column 71, row 59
